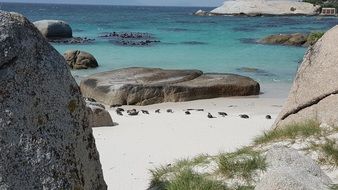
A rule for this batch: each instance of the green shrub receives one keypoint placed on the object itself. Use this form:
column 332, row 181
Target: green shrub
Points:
column 324, row 3
column 314, row 37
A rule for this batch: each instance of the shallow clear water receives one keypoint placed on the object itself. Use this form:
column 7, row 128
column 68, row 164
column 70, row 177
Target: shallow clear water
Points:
column 222, row 44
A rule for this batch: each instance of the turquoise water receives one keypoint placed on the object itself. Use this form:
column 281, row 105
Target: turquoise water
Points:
column 222, row 44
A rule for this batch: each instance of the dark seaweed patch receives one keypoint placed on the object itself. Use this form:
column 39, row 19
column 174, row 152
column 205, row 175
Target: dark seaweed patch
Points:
column 258, row 72
column 193, row 43
column 248, row 40
column 243, row 29
column 74, row 40
column 174, row 29
column 130, row 38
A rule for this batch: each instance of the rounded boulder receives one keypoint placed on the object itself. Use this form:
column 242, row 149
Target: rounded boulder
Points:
column 54, row 29
column 80, row 59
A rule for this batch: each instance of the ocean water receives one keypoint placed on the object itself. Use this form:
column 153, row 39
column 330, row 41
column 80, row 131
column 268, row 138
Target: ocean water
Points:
column 211, row 44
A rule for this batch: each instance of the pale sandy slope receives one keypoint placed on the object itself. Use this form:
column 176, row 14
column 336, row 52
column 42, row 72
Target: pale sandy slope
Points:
column 144, row 142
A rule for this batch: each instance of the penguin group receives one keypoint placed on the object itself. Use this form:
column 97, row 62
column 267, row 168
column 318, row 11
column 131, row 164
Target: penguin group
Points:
column 134, row 112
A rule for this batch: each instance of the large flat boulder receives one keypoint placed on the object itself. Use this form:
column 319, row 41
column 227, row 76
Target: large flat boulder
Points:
column 314, row 94
column 265, row 7
column 54, row 29
column 46, row 141
column 290, row 170
column 144, row 86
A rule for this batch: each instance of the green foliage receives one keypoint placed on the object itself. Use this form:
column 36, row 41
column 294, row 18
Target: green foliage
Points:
column 187, row 180
column 159, row 174
column 292, row 131
column 243, row 163
column 324, row 3
column 334, row 187
column 245, row 188
column 315, row 2
column 314, row 37
column 330, row 149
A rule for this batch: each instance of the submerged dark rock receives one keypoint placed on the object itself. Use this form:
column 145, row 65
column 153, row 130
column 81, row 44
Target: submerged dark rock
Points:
column 130, row 38
column 244, row 29
column 74, row 40
column 259, row 72
column 127, row 35
column 175, row 29
column 248, row 40
column 135, row 43
column 193, row 43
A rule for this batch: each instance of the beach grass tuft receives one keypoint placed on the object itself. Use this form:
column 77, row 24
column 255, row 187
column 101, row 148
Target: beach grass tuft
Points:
column 334, row 187
column 330, row 149
column 292, row 131
column 188, row 180
column 242, row 163
column 160, row 174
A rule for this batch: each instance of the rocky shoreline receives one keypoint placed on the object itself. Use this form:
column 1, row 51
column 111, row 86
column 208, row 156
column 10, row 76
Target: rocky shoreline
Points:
column 262, row 8
column 46, row 124
column 295, row 39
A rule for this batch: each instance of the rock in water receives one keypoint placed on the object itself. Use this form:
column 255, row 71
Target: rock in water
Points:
column 201, row 13
column 46, row 141
column 265, row 7
column 54, row 28
column 144, row 86
column 80, row 59
column 314, row 94
column 295, row 39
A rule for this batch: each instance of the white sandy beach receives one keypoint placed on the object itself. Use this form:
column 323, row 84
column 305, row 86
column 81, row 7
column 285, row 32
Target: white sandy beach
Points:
column 139, row 143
